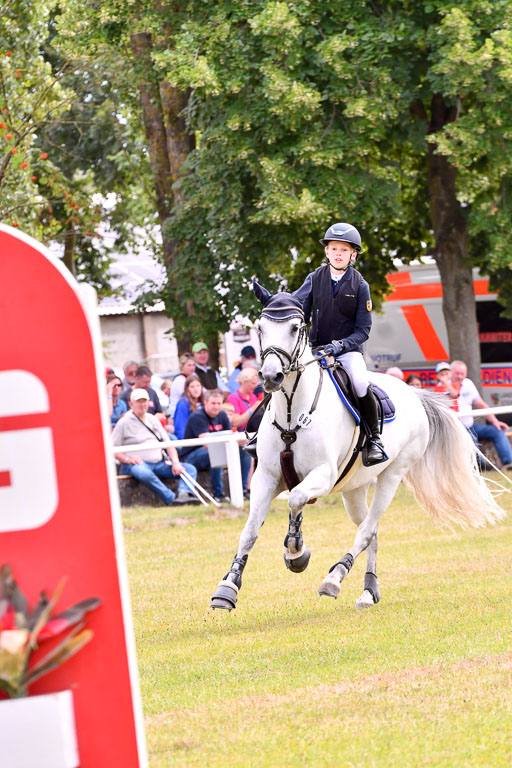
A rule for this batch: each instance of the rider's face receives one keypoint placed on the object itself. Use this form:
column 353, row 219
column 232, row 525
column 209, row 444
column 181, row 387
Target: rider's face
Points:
column 339, row 254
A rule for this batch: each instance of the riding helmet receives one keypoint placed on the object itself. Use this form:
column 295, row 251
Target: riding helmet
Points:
column 344, row 232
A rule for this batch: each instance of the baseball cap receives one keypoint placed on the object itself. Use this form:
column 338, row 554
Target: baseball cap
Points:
column 139, row 394
column 248, row 352
column 198, row 346
column 443, row 367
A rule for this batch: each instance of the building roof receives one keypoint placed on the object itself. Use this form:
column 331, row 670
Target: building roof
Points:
column 134, row 273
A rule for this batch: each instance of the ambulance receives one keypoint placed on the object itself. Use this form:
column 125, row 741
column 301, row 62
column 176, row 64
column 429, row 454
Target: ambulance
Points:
column 410, row 332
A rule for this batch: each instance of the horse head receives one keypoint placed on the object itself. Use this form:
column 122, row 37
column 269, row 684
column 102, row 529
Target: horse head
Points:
column 282, row 335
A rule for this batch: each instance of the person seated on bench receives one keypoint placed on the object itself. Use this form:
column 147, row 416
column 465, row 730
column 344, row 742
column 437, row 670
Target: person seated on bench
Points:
column 148, row 466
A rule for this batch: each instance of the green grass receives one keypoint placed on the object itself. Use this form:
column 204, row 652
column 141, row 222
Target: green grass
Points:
column 422, row 679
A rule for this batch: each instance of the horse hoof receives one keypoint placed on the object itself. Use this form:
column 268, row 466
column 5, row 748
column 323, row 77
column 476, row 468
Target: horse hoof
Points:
column 225, row 597
column 218, row 602
column 298, row 564
column 328, row 589
column 365, row 601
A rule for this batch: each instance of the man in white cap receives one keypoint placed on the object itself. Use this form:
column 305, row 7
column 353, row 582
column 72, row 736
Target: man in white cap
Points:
column 444, row 384
column 148, row 466
column 209, row 377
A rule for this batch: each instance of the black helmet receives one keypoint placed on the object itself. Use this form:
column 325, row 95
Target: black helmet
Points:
column 344, row 232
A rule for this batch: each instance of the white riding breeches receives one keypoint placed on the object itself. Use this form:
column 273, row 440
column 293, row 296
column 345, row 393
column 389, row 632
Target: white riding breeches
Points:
column 356, row 366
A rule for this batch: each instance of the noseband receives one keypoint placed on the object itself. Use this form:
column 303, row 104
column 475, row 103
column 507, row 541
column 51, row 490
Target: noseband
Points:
column 292, row 359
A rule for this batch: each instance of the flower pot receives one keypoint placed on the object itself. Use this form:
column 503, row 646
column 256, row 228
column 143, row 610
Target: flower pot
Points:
column 39, row 731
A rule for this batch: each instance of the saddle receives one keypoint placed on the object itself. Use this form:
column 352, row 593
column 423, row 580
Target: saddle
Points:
column 342, row 380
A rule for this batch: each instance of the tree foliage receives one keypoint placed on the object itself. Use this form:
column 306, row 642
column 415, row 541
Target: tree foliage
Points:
column 395, row 116
column 66, row 176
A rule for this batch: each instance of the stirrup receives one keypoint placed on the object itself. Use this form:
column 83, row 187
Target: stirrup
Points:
column 370, row 461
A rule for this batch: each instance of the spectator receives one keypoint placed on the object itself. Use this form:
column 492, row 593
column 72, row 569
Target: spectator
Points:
column 148, row 466
column 142, row 381
column 210, row 378
column 163, row 393
column 413, row 380
column 116, row 406
column 187, row 367
column 203, row 422
column 129, row 369
column 192, row 400
column 494, row 429
column 396, row 372
column 444, row 384
column 244, row 401
column 247, row 353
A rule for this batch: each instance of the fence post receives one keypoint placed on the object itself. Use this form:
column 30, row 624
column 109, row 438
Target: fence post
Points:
column 236, row 492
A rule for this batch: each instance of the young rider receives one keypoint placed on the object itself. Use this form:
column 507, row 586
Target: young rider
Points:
column 337, row 300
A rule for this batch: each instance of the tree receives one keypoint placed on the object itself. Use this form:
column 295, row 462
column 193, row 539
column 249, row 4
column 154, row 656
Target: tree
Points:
column 394, row 115
column 66, row 147
column 130, row 37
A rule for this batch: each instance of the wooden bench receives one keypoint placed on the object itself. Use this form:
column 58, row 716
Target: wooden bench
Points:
column 134, row 494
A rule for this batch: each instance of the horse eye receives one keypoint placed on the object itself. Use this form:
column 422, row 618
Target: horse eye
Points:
column 294, row 328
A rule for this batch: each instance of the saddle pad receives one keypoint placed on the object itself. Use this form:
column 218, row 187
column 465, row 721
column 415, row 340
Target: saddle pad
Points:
column 385, row 403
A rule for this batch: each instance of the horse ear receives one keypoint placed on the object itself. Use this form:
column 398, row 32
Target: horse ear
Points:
column 261, row 293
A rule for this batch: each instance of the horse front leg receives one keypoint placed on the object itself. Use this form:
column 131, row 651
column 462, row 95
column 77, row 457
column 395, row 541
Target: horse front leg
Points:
column 264, row 487
column 316, row 483
column 366, row 537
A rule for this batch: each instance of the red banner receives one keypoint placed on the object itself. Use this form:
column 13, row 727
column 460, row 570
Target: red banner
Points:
column 59, row 511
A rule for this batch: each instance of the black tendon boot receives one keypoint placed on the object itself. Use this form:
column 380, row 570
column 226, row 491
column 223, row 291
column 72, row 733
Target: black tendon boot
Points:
column 373, row 452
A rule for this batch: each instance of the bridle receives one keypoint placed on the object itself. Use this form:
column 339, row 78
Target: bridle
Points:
column 289, row 360
column 289, row 434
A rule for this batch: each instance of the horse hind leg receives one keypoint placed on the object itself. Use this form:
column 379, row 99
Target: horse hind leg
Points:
column 371, row 591
column 357, row 509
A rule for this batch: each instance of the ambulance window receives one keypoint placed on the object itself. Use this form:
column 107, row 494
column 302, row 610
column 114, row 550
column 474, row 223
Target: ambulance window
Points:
column 495, row 333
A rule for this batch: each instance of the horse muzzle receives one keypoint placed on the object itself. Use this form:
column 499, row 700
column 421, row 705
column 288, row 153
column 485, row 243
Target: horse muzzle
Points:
column 271, row 382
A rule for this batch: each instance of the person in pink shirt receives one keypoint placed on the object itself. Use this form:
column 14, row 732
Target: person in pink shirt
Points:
column 244, row 401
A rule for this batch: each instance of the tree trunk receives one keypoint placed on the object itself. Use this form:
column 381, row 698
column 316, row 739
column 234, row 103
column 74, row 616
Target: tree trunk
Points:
column 168, row 147
column 451, row 249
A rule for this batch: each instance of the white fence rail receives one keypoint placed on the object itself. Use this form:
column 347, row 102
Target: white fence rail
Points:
column 232, row 455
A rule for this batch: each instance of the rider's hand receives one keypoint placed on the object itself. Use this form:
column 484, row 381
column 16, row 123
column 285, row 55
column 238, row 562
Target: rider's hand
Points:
column 335, row 348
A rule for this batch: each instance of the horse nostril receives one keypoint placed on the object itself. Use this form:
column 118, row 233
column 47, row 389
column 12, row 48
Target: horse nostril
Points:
column 261, row 377
column 278, row 378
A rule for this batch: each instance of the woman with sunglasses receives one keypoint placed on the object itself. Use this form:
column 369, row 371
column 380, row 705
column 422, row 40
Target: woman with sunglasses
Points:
column 116, row 406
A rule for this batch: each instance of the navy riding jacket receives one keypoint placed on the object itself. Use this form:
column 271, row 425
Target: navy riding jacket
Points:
column 338, row 311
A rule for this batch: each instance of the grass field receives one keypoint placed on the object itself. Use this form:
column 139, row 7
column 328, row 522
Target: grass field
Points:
column 289, row 678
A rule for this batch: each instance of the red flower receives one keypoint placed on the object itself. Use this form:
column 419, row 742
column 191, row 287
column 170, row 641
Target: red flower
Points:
column 18, row 72
column 14, row 150
column 24, row 165
column 15, row 224
column 9, row 53
column 8, row 135
column 33, row 178
column 44, row 155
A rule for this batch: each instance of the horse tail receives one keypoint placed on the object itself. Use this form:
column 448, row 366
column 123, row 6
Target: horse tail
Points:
column 446, row 481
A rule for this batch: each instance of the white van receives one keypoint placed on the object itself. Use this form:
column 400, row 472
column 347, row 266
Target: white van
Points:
column 411, row 332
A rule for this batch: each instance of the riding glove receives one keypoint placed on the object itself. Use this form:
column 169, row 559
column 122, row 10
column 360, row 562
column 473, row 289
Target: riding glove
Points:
column 335, row 348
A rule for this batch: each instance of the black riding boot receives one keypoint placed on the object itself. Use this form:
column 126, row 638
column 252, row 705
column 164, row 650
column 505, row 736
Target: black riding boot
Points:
column 374, row 452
